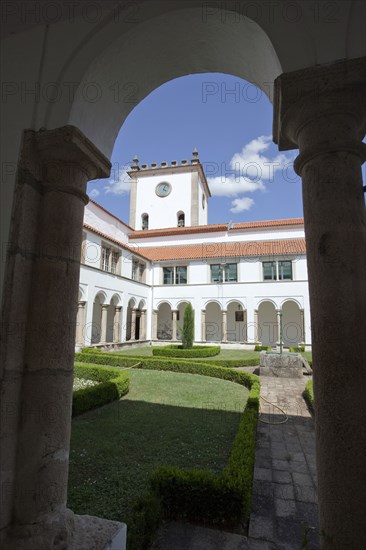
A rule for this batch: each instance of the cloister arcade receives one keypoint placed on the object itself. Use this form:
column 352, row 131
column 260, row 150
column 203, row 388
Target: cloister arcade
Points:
column 313, row 69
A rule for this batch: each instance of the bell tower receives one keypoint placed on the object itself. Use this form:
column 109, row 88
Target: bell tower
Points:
column 169, row 195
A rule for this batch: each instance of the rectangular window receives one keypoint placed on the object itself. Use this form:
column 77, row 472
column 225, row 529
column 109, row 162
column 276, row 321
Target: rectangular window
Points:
column 114, row 261
column 181, row 275
column 135, row 268
column 105, row 258
column 175, row 275
column 285, row 271
column 231, row 272
column 216, row 273
column 168, row 275
column 269, row 271
column 239, row 316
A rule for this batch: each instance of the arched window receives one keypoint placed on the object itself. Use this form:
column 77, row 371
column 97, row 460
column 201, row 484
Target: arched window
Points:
column 181, row 219
column 145, row 221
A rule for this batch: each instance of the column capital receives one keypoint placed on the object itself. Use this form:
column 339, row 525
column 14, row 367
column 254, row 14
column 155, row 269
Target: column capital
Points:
column 81, row 303
column 308, row 95
column 65, row 159
column 105, row 306
column 118, row 308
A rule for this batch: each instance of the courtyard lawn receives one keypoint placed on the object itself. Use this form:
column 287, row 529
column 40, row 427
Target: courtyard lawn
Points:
column 184, row 420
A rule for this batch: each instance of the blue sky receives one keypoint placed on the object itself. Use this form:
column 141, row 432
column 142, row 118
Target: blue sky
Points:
column 249, row 178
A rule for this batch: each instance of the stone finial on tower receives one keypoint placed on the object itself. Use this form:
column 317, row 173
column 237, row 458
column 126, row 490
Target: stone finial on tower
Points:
column 195, row 159
column 135, row 165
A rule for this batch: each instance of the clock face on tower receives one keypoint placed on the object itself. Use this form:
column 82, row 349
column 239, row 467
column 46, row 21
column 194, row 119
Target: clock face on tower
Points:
column 163, row 189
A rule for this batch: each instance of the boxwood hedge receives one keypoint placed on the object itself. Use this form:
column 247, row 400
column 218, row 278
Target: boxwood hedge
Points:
column 119, row 359
column 113, row 383
column 178, row 351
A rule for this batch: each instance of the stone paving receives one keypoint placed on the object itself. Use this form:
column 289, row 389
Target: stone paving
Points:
column 284, row 515
column 284, row 491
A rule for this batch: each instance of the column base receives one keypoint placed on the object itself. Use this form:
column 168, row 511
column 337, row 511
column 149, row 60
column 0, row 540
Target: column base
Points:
column 66, row 532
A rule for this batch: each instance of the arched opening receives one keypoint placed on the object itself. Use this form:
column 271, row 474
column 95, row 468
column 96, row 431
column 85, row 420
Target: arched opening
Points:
column 236, row 323
column 96, row 330
column 130, row 319
column 292, row 324
column 145, row 221
column 165, row 323
column 213, row 322
column 180, row 219
column 267, row 324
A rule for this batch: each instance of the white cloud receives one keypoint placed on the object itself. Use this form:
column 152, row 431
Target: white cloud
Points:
column 94, row 193
column 248, row 171
column 119, row 183
column 239, row 205
column 233, row 186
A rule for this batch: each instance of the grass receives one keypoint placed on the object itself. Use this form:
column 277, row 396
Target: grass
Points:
column 309, row 394
column 184, row 420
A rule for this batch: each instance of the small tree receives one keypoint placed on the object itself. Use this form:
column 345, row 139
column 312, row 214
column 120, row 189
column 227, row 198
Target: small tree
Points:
column 188, row 328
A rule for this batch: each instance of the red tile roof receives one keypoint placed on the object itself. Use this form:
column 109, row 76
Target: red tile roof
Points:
column 278, row 247
column 225, row 250
column 147, row 233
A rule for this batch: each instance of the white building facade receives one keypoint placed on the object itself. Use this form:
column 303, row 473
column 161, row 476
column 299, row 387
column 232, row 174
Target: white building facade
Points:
column 241, row 278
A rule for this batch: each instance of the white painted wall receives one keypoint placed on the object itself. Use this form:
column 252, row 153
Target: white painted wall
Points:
column 162, row 211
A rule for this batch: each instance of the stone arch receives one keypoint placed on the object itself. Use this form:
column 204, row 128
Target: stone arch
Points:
column 130, row 326
column 213, row 321
column 100, row 299
column 165, row 325
column 243, row 50
column 236, row 321
column 292, row 323
column 267, row 323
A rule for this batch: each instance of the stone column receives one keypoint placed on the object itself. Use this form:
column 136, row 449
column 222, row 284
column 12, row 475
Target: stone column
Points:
column 143, row 325
column 133, row 324
column 302, row 325
column 278, row 315
column 103, row 324
column 322, row 111
column 203, row 325
column 154, row 335
column 224, row 326
column 256, row 327
column 245, row 326
column 174, row 324
column 58, row 163
column 117, row 324
column 80, row 324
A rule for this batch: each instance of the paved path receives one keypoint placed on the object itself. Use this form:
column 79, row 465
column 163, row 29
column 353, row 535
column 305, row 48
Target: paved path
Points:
column 284, row 512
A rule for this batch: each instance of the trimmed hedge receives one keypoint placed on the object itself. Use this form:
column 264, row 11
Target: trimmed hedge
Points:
column 179, row 351
column 308, row 394
column 297, row 349
column 116, row 359
column 258, row 347
column 91, row 350
column 113, row 384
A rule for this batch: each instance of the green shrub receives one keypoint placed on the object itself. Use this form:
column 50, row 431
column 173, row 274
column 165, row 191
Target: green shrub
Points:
column 188, row 327
column 179, row 351
column 112, row 385
column 259, row 347
column 91, row 350
column 298, row 349
column 308, row 394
